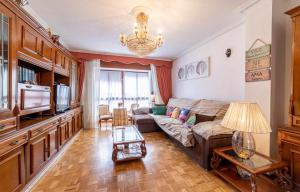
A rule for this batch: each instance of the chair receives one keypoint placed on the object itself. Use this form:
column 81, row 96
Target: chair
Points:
column 133, row 106
column 104, row 114
column 120, row 118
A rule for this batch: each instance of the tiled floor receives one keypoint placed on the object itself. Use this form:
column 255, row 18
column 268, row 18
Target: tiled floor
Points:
column 87, row 166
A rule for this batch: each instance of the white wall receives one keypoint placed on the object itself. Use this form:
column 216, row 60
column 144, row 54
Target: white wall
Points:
column 226, row 80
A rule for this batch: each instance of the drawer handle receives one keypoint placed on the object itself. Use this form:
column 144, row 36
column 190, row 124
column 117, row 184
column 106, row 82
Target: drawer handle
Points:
column 2, row 126
column 14, row 143
column 28, row 86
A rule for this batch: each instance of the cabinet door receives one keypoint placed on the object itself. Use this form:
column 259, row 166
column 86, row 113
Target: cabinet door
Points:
column 74, row 83
column 52, row 138
column 38, row 154
column 66, row 63
column 63, row 133
column 29, row 40
column 70, row 128
column 12, row 171
column 7, row 59
column 46, row 51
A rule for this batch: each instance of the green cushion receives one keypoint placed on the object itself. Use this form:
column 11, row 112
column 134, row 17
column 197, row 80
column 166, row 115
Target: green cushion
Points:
column 159, row 110
column 191, row 120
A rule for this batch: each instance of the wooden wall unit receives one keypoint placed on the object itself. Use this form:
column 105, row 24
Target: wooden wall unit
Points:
column 289, row 135
column 28, row 143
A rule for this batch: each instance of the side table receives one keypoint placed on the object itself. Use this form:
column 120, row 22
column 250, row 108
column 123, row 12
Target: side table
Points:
column 256, row 167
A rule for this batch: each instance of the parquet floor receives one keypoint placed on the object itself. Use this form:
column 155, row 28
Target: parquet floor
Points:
column 87, row 166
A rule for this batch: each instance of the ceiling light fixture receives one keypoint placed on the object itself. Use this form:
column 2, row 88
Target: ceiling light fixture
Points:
column 140, row 41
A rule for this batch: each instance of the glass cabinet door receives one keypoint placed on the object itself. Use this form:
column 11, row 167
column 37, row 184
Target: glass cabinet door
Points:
column 4, row 61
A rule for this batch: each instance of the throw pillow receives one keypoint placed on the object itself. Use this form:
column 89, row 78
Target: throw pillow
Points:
column 191, row 120
column 159, row 110
column 202, row 118
column 170, row 109
column 183, row 115
column 175, row 113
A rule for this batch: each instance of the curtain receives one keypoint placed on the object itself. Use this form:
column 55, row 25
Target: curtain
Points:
column 111, row 88
column 90, row 93
column 156, row 89
column 164, row 80
column 81, row 74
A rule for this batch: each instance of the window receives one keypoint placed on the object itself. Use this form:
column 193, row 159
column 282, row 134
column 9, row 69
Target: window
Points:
column 124, row 87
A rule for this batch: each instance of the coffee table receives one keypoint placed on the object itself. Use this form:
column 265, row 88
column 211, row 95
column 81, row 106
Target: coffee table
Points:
column 128, row 144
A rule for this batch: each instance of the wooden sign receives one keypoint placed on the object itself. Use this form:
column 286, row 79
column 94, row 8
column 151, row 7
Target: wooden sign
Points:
column 259, row 63
column 258, row 75
column 262, row 51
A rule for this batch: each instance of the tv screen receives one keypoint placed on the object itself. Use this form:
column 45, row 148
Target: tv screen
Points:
column 62, row 98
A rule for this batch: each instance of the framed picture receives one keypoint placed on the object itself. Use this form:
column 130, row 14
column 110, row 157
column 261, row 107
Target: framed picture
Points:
column 194, row 70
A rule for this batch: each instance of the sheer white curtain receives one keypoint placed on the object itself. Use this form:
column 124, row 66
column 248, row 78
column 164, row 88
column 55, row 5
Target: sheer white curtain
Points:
column 158, row 99
column 90, row 93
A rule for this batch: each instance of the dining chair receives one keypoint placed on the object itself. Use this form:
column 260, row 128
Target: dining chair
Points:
column 120, row 118
column 133, row 107
column 104, row 114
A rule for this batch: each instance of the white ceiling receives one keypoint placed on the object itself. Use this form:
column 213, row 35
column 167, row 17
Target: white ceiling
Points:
column 95, row 25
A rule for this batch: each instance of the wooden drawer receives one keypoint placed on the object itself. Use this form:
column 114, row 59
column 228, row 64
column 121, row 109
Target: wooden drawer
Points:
column 12, row 143
column 67, row 117
column 38, row 130
column 8, row 125
column 296, row 121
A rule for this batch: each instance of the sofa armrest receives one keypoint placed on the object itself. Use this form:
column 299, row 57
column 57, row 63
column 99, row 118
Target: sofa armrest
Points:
column 142, row 111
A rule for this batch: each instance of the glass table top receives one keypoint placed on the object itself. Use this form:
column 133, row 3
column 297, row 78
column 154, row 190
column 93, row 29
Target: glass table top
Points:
column 127, row 135
column 254, row 162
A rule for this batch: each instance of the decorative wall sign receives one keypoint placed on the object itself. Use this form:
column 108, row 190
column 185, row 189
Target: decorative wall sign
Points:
column 194, row 70
column 258, row 75
column 258, row 62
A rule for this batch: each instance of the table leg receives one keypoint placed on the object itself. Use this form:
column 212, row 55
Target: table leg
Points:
column 115, row 153
column 253, row 183
column 143, row 149
column 284, row 179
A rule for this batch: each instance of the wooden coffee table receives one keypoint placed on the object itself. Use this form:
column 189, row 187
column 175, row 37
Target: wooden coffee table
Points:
column 128, row 144
column 226, row 164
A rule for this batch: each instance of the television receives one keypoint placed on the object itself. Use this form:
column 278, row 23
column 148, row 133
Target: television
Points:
column 62, row 98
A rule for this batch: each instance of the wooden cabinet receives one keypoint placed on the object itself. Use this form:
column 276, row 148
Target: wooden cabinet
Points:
column 63, row 131
column 12, row 170
column 52, row 139
column 289, row 142
column 8, row 125
column 62, row 63
column 37, row 155
column 7, row 60
column 289, row 136
column 32, row 47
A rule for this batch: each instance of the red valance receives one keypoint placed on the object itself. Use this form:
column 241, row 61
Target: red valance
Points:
column 121, row 59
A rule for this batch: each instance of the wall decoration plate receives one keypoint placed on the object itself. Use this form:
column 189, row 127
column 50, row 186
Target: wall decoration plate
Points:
column 194, row 70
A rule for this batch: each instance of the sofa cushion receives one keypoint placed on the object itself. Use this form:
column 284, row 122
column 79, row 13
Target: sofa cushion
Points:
column 170, row 110
column 182, row 103
column 159, row 110
column 175, row 113
column 211, row 108
column 183, row 115
column 210, row 128
column 191, row 120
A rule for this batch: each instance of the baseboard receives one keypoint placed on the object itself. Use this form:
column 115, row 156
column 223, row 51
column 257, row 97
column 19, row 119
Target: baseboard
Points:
column 29, row 186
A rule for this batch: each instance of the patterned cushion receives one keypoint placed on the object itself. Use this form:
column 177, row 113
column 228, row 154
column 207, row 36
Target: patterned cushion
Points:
column 170, row 109
column 182, row 103
column 183, row 114
column 175, row 113
column 211, row 108
column 191, row 120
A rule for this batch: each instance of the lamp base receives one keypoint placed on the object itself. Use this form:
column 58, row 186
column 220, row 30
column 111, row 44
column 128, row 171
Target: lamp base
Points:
column 243, row 144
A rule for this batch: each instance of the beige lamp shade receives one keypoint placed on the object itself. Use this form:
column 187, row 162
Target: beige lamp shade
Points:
column 246, row 117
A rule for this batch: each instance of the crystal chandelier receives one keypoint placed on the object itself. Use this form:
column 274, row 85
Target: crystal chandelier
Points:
column 140, row 41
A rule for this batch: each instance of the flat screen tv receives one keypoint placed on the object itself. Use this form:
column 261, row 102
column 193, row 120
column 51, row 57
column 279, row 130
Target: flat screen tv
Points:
column 62, row 98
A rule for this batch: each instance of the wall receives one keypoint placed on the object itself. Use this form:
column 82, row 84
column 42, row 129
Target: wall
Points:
column 226, row 79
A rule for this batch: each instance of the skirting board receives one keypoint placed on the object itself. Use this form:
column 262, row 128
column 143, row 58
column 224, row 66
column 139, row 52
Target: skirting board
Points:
column 29, row 186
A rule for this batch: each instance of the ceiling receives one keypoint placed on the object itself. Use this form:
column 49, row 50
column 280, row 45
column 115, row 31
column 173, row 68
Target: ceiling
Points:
column 95, row 25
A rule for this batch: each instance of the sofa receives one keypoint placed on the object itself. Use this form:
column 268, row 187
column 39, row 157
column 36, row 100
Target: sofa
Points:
column 199, row 140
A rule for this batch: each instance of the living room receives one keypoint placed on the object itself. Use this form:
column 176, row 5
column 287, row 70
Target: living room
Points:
column 149, row 95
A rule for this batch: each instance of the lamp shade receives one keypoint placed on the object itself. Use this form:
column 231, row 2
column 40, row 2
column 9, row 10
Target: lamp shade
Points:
column 246, row 117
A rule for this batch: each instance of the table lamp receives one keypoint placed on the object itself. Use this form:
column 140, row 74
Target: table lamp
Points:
column 245, row 118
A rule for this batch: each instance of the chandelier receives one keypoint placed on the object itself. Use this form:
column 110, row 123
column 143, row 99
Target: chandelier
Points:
column 140, row 41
